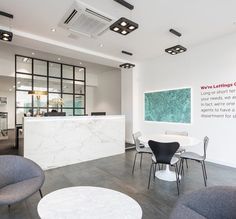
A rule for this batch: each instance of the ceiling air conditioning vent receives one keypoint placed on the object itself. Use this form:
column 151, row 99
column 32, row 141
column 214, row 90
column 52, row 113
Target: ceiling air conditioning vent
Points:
column 85, row 20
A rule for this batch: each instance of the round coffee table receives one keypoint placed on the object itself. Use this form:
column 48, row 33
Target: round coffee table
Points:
column 184, row 142
column 87, row 202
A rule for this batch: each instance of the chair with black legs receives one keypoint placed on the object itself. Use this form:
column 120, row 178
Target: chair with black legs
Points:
column 181, row 133
column 140, row 149
column 163, row 153
column 196, row 157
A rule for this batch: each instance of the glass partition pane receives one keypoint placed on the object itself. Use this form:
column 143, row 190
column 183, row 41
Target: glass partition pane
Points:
column 54, row 70
column 40, row 83
column 79, row 101
column 21, row 112
column 67, row 86
column 24, row 64
column 79, row 87
column 23, row 99
column 54, row 85
column 54, row 100
column 69, row 112
column 23, row 82
column 67, row 71
column 40, row 67
column 79, row 112
column 68, row 100
column 41, row 102
column 79, row 73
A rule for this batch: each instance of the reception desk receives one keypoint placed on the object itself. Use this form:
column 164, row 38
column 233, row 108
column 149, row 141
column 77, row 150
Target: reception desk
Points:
column 59, row 141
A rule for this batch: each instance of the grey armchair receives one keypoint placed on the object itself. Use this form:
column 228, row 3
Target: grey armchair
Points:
column 19, row 179
column 212, row 203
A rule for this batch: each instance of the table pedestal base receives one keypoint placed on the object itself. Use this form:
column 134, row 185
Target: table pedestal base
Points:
column 166, row 174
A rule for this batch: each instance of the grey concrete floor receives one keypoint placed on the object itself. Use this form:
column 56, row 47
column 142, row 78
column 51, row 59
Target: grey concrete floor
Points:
column 115, row 173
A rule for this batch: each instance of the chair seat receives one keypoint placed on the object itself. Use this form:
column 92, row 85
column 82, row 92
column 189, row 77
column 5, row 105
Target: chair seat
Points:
column 192, row 156
column 173, row 161
column 180, row 150
column 13, row 193
column 144, row 150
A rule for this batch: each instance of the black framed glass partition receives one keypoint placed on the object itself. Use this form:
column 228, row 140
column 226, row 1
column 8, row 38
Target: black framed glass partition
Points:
column 65, row 86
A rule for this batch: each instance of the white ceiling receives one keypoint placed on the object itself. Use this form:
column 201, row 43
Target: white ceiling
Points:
column 198, row 21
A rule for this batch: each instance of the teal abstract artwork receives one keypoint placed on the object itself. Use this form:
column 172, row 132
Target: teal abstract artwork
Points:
column 168, row 106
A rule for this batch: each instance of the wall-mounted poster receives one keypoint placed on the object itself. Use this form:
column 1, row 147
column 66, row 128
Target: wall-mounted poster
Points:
column 168, row 106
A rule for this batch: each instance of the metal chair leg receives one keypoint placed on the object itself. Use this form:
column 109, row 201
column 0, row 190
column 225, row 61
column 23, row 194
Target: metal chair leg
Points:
column 177, row 177
column 41, row 194
column 186, row 161
column 150, row 173
column 155, row 169
column 203, row 172
column 141, row 160
column 204, row 165
column 134, row 162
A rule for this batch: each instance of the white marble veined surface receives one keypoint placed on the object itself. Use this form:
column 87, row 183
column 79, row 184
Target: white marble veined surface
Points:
column 88, row 203
column 59, row 141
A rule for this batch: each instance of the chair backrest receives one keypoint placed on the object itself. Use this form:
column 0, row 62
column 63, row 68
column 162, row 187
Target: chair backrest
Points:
column 206, row 141
column 169, row 132
column 136, row 135
column 16, row 169
column 163, row 152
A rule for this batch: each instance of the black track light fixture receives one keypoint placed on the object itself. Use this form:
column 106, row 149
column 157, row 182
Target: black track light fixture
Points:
column 127, row 65
column 124, row 26
column 4, row 34
column 174, row 50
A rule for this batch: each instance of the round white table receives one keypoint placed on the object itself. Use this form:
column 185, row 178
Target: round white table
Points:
column 85, row 202
column 184, row 142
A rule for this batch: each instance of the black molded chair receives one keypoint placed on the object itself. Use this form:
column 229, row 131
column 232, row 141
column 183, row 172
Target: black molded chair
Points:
column 163, row 153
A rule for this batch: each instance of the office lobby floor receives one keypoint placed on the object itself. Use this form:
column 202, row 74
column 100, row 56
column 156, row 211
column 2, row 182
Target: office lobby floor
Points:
column 115, row 173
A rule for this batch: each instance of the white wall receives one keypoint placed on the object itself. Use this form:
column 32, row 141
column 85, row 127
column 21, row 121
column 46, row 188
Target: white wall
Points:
column 210, row 63
column 127, row 102
column 107, row 95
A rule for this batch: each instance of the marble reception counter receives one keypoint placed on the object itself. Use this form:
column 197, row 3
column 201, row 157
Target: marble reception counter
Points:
column 59, row 141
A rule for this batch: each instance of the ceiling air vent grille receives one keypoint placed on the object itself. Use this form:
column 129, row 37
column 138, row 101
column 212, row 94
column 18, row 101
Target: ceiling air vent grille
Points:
column 73, row 13
column 82, row 19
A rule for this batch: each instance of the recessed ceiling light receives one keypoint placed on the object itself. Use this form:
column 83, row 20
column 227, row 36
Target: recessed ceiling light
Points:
column 53, row 29
column 5, row 38
column 123, row 24
column 116, row 29
column 80, row 63
column 101, row 45
column 10, row 89
column 58, row 59
column 124, row 32
column 33, row 53
column 6, row 35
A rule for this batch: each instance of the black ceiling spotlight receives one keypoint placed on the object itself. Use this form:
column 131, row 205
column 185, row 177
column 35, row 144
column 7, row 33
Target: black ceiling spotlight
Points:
column 4, row 34
column 126, row 53
column 174, row 50
column 124, row 26
column 127, row 65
